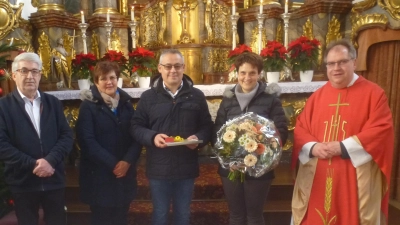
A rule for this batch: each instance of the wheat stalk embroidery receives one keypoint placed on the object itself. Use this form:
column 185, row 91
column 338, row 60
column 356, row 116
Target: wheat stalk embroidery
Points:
column 328, row 199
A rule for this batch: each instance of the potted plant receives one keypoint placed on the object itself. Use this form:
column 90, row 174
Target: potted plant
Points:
column 118, row 56
column 303, row 57
column 274, row 55
column 232, row 57
column 82, row 66
column 142, row 64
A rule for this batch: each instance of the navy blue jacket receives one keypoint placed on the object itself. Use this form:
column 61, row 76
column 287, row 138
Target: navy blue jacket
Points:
column 264, row 104
column 185, row 115
column 104, row 140
column 20, row 145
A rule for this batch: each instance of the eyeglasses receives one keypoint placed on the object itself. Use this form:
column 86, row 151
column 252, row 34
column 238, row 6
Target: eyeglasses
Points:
column 340, row 63
column 25, row 72
column 176, row 66
column 106, row 79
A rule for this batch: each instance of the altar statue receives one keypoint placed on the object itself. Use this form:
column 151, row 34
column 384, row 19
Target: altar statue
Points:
column 184, row 13
column 61, row 64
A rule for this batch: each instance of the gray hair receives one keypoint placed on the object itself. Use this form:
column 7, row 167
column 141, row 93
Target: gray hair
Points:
column 343, row 42
column 26, row 56
column 171, row 51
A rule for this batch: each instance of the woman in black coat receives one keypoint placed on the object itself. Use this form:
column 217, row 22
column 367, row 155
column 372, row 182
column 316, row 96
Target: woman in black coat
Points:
column 108, row 152
column 246, row 200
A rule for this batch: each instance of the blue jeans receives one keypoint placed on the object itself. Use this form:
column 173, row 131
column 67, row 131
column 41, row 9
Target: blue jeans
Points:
column 180, row 192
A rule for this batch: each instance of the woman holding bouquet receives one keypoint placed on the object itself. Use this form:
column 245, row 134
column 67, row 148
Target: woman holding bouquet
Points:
column 108, row 152
column 246, row 199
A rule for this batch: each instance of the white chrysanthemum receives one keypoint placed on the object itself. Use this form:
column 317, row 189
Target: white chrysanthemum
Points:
column 229, row 136
column 251, row 145
column 250, row 160
column 242, row 140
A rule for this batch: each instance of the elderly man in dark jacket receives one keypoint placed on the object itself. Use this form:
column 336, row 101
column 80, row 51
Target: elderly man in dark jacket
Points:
column 34, row 139
column 172, row 107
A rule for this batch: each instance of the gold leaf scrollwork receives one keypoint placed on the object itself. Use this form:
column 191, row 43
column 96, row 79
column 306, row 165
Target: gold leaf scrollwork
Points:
column 360, row 22
column 279, row 32
column 363, row 5
column 254, row 38
column 217, row 22
column 44, row 53
column 333, row 30
column 154, row 25
column 308, row 29
column 9, row 18
column 391, row 6
column 217, row 60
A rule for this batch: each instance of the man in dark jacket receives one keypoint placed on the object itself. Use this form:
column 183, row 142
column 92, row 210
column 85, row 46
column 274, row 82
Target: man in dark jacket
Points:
column 34, row 139
column 172, row 107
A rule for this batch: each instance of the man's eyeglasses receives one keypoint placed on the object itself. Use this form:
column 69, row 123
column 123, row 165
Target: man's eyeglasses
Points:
column 340, row 63
column 176, row 66
column 25, row 72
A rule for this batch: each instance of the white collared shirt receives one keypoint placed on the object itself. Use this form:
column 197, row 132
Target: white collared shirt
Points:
column 170, row 92
column 33, row 109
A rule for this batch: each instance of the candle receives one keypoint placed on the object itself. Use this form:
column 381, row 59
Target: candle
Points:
column 286, row 6
column 261, row 6
column 82, row 17
column 108, row 15
column 133, row 13
column 233, row 7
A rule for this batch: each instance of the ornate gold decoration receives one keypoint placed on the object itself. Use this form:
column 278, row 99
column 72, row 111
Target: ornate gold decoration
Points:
column 254, row 38
column 51, row 6
column 123, row 7
column 44, row 53
column 69, row 47
column 115, row 41
column 293, row 109
column 23, row 43
column 363, row 5
column 207, row 21
column 95, row 45
column 153, row 28
column 328, row 199
column 219, row 27
column 105, row 10
column 360, row 22
column 184, row 9
column 333, row 30
column 217, row 60
column 279, row 32
column 192, row 58
column 391, row 6
column 335, row 123
column 308, row 29
column 9, row 20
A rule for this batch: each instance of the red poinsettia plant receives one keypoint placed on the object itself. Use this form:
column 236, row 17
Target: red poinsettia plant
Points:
column 274, row 55
column 118, row 56
column 142, row 62
column 83, row 65
column 303, row 53
column 234, row 53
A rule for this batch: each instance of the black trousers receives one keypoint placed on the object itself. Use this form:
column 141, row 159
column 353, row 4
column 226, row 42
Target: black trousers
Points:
column 27, row 207
column 109, row 215
column 246, row 200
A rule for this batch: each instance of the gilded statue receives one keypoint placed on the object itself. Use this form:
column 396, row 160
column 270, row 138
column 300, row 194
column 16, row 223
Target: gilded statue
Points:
column 95, row 45
column 115, row 42
column 62, row 68
column 207, row 22
column 221, row 24
column 44, row 53
column 184, row 13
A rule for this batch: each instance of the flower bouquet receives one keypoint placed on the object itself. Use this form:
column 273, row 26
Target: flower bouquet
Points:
column 304, row 53
column 274, row 55
column 83, row 65
column 117, row 56
column 232, row 57
column 142, row 62
column 250, row 143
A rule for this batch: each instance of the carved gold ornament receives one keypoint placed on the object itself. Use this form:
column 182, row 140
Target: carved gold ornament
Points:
column 363, row 5
column 279, row 32
column 217, row 22
column 9, row 18
column 44, row 53
column 154, row 25
column 361, row 22
column 308, row 29
column 333, row 30
column 254, row 38
column 391, row 6
column 217, row 60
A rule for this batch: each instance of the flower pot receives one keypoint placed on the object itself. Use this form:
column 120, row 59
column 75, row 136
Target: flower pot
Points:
column 306, row 76
column 273, row 77
column 120, row 82
column 83, row 84
column 144, row 82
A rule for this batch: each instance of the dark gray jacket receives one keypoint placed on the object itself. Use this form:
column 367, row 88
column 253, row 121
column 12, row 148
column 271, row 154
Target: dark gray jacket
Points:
column 186, row 114
column 265, row 103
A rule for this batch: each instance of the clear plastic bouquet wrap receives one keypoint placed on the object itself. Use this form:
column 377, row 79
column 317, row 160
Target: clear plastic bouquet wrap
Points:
column 248, row 143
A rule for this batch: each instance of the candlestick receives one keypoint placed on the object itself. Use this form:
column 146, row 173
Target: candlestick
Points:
column 108, row 15
column 286, row 6
column 233, row 7
column 260, row 18
column 286, row 17
column 133, row 13
column 82, row 17
column 133, row 25
column 108, row 26
column 261, row 6
column 83, row 27
column 234, row 19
